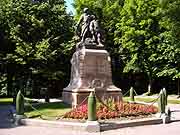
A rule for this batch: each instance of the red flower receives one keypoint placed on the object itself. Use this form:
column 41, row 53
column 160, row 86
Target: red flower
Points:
column 119, row 109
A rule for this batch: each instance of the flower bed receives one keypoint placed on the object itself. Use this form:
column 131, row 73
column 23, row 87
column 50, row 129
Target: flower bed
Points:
column 114, row 111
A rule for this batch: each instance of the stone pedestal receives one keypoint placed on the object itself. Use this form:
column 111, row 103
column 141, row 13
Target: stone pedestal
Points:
column 91, row 68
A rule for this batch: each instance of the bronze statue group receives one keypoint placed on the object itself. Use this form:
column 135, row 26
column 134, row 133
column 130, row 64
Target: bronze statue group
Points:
column 88, row 28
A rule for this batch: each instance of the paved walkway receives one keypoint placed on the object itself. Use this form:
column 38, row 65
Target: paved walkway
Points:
column 170, row 97
column 167, row 129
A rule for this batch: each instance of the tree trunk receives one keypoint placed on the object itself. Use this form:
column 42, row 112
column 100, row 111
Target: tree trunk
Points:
column 9, row 84
column 150, row 87
column 178, row 89
column 150, row 81
column 10, row 75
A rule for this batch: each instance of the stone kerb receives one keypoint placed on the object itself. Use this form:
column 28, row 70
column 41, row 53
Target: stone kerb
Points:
column 91, row 126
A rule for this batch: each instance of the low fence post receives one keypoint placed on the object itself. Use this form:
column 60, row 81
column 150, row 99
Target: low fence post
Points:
column 19, row 108
column 162, row 106
column 92, row 125
column 20, row 104
column 91, row 107
column 161, row 103
column 165, row 96
column 132, row 94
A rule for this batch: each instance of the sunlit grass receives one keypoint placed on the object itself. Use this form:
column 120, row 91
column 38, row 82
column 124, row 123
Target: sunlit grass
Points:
column 150, row 100
column 6, row 101
column 48, row 111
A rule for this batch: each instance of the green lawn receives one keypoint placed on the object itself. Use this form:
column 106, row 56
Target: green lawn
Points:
column 6, row 101
column 149, row 100
column 47, row 110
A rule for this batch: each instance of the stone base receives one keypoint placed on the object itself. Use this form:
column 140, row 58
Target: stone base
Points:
column 18, row 119
column 92, row 126
column 77, row 98
column 91, row 69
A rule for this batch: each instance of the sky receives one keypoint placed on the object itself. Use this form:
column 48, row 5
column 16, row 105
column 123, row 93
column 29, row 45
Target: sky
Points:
column 70, row 8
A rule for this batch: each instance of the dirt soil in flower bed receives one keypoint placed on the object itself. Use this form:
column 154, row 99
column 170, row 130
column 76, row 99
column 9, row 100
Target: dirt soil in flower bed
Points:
column 115, row 111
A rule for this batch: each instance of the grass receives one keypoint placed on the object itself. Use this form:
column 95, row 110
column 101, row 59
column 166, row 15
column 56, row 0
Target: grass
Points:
column 6, row 101
column 29, row 100
column 173, row 101
column 47, row 110
column 149, row 100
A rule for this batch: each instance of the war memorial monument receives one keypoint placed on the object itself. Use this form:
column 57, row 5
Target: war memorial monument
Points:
column 90, row 65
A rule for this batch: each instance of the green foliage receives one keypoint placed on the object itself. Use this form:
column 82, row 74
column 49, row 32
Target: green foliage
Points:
column 170, row 20
column 110, row 102
column 147, row 41
column 38, row 31
column 144, row 34
column 3, row 85
column 138, row 32
column 35, row 38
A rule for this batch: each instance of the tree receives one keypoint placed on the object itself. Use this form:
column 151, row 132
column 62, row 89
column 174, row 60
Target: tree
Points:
column 138, row 33
column 35, row 37
column 170, row 11
column 146, row 38
column 144, row 34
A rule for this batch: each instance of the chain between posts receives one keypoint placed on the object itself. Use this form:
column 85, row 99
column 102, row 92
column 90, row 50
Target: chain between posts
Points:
column 40, row 114
column 129, row 91
column 135, row 92
column 126, row 93
column 103, row 103
column 153, row 102
column 62, row 116
column 109, row 108
column 59, row 117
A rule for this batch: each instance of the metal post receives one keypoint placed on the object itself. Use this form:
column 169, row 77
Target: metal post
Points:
column 161, row 103
column 132, row 94
column 20, row 103
column 165, row 96
column 178, row 89
column 91, row 107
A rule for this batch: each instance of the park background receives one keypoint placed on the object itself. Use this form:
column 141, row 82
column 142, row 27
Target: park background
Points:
column 37, row 42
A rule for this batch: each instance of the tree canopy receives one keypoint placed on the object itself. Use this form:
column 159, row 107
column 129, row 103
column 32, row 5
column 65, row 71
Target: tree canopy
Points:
column 142, row 33
column 35, row 37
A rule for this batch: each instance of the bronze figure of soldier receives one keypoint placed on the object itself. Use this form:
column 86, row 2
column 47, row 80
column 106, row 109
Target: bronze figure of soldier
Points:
column 83, row 25
column 95, row 30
